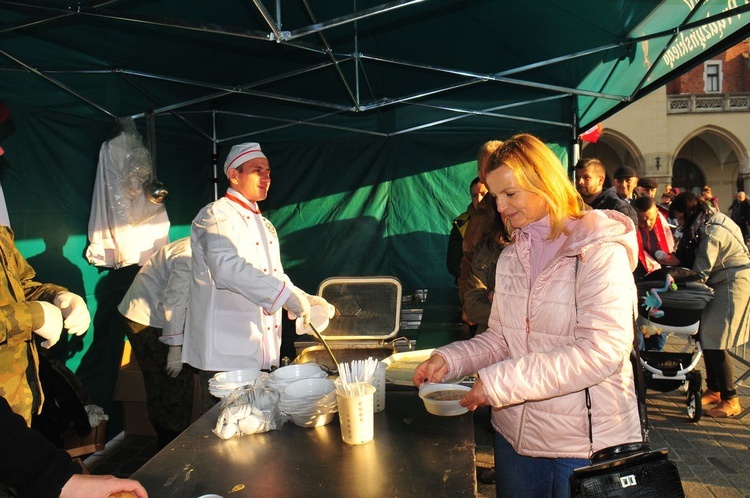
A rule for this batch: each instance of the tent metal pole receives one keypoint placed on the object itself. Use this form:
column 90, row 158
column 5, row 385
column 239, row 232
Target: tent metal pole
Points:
column 332, row 57
column 156, row 113
column 277, row 35
column 156, row 21
column 492, row 114
column 500, row 79
column 207, row 85
column 40, row 20
column 294, row 122
column 338, row 21
column 225, row 90
column 575, row 152
column 387, row 102
column 469, row 114
column 214, row 156
column 58, row 84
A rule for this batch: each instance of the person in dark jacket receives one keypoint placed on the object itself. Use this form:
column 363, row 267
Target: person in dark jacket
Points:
column 590, row 175
column 460, row 223
column 739, row 211
column 626, row 180
column 35, row 468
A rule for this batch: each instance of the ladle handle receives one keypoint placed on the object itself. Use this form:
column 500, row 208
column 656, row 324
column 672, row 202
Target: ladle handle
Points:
column 328, row 348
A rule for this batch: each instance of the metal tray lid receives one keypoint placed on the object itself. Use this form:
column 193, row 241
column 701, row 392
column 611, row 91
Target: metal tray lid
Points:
column 367, row 308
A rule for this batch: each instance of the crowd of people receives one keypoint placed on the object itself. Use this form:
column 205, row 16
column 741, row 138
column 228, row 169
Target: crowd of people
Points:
column 565, row 259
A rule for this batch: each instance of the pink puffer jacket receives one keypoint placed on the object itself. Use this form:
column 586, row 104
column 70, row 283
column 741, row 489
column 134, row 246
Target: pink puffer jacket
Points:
column 539, row 353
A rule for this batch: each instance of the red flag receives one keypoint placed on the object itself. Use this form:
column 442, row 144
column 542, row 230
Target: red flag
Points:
column 592, row 134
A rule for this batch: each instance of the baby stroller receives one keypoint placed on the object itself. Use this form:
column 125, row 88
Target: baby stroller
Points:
column 671, row 301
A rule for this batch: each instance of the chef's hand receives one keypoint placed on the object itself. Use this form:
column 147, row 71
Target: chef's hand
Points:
column 74, row 311
column 431, row 370
column 319, row 301
column 174, row 361
column 298, row 306
column 52, row 326
column 476, row 397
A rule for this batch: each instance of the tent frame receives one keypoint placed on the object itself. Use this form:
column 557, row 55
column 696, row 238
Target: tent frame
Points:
column 294, row 38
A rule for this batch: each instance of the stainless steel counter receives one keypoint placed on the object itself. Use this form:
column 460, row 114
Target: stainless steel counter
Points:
column 414, row 454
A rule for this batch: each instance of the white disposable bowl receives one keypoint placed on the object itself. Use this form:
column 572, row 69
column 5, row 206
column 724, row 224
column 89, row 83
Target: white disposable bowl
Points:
column 313, row 420
column 239, row 377
column 309, row 389
column 445, row 408
column 292, row 373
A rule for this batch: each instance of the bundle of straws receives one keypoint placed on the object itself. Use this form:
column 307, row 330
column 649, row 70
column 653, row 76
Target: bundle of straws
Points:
column 355, row 375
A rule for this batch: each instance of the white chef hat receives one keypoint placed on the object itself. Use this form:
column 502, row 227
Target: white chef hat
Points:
column 241, row 153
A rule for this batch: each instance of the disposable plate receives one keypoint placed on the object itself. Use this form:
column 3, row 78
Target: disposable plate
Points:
column 401, row 367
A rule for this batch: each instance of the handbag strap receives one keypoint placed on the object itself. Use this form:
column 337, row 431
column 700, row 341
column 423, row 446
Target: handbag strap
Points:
column 640, row 390
column 640, row 385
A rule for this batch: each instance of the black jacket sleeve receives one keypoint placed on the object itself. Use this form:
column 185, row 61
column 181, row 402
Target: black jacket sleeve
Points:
column 28, row 461
column 455, row 252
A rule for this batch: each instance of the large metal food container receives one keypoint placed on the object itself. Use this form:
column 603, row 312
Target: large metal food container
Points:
column 366, row 321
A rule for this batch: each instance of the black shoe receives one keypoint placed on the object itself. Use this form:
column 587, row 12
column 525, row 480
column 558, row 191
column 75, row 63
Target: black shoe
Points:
column 486, row 475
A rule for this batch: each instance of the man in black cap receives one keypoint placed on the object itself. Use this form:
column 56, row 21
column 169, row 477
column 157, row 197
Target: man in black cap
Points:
column 590, row 174
column 626, row 180
column 646, row 187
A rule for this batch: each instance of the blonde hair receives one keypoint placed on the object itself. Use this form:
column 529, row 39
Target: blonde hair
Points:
column 485, row 151
column 537, row 169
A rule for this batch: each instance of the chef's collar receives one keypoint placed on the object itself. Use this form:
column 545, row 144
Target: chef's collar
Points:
column 240, row 199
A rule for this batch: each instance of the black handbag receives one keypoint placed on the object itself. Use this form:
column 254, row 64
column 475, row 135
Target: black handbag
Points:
column 630, row 469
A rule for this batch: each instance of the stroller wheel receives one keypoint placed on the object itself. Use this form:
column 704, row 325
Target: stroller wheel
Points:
column 694, row 402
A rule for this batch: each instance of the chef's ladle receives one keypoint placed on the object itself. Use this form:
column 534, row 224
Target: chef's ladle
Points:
column 334, row 370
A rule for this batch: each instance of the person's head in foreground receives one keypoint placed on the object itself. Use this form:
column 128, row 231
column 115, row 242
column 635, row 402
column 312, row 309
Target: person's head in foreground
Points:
column 528, row 183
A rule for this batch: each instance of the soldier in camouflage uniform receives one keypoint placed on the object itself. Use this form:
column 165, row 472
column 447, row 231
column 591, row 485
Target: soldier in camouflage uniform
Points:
column 27, row 306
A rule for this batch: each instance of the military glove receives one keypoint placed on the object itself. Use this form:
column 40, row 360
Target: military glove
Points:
column 297, row 305
column 52, row 326
column 74, row 311
column 174, row 361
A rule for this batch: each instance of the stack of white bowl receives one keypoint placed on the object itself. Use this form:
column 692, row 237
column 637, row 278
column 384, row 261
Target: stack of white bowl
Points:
column 309, row 402
column 283, row 376
column 223, row 383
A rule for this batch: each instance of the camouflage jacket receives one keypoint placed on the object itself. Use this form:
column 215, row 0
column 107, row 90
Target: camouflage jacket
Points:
column 20, row 315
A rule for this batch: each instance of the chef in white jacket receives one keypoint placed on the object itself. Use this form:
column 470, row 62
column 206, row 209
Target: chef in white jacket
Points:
column 238, row 285
column 153, row 317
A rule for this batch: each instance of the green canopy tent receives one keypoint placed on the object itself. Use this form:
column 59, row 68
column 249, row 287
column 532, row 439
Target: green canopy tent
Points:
column 371, row 113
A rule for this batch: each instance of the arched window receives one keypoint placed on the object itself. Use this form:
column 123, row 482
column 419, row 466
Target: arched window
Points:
column 687, row 176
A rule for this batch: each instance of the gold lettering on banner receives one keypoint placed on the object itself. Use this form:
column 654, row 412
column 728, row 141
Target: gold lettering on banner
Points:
column 699, row 38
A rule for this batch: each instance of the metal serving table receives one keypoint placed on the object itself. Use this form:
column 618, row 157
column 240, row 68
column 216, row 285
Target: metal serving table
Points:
column 414, row 453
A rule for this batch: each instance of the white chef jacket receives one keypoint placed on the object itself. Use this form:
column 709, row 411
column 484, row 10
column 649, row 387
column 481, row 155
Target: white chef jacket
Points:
column 237, row 289
column 158, row 296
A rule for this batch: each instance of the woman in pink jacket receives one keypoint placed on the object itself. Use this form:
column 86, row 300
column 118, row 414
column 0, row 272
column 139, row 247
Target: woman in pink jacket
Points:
column 562, row 323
